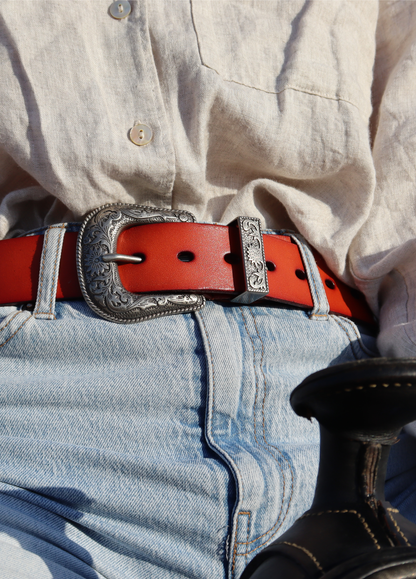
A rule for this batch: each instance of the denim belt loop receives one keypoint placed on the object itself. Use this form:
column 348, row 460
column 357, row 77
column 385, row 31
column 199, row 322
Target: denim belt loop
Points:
column 320, row 308
column 49, row 269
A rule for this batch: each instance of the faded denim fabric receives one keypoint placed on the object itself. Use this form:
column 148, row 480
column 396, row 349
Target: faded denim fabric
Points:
column 165, row 449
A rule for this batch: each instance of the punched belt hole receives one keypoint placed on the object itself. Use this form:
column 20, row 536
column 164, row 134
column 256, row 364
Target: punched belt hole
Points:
column 186, row 256
column 235, row 259
column 330, row 284
column 300, row 274
column 232, row 258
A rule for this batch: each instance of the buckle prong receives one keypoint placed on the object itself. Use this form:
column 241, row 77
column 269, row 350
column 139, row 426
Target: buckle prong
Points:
column 121, row 258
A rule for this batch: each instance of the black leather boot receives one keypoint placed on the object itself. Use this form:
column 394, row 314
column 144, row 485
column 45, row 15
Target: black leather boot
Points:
column 350, row 532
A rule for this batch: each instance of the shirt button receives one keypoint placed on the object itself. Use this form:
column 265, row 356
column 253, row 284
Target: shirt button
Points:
column 120, row 9
column 141, row 134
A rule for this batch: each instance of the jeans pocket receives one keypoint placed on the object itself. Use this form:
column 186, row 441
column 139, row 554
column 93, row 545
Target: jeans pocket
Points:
column 12, row 320
column 363, row 340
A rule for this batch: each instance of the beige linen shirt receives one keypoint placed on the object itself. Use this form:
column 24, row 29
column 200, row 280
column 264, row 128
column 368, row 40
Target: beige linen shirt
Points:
column 300, row 112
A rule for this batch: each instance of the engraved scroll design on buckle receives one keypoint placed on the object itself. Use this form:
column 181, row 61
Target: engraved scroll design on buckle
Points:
column 256, row 265
column 254, row 261
column 99, row 278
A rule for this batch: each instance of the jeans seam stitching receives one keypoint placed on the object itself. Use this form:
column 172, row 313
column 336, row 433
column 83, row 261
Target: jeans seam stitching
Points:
column 367, row 351
column 10, row 337
column 46, row 314
column 213, row 406
column 10, row 321
column 312, row 275
column 348, row 336
column 245, row 513
column 45, row 245
column 255, row 377
column 235, row 545
column 266, row 449
column 248, row 533
column 305, row 254
column 314, row 282
column 353, row 329
column 57, row 253
column 264, row 426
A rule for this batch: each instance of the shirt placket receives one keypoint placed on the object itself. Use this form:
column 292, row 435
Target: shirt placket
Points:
column 149, row 131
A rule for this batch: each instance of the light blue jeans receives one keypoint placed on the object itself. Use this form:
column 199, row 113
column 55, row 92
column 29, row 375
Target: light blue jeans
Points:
column 165, row 449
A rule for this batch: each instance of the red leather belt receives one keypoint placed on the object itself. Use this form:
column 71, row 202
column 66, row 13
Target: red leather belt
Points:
column 215, row 269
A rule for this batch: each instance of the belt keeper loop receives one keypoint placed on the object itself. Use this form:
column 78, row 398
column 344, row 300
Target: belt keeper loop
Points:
column 254, row 260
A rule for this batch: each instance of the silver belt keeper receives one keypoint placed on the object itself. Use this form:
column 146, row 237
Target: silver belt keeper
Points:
column 254, row 261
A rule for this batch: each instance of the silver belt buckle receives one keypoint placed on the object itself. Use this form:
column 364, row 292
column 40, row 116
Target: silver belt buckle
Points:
column 98, row 275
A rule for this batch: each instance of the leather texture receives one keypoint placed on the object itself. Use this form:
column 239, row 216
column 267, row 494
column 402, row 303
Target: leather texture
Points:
column 350, row 531
column 209, row 273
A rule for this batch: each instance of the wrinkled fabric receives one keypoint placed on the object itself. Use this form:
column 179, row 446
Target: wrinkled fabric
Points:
column 299, row 112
